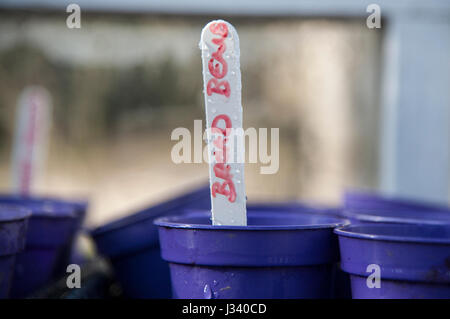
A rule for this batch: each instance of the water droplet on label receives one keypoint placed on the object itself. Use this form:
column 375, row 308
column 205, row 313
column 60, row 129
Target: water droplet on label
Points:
column 215, row 282
column 238, row 171
column 213, row 110
column 207, row 292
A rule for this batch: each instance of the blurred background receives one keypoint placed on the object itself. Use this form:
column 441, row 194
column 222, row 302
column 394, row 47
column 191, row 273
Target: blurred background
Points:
column 356, row 107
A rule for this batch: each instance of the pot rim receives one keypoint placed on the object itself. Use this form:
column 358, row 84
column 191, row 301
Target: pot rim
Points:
column 350, row 232
column 178, row 223
column 402, row 216
column 19, row 213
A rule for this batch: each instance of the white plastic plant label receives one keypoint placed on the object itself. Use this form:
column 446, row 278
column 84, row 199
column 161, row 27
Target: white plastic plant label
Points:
column 219, row 44
column 33, row 120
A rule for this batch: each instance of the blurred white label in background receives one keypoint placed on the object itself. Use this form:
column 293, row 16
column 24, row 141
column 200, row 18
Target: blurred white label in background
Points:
column 33, row 121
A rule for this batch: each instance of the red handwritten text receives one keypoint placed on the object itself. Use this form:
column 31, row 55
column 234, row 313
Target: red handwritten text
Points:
column 218, row 68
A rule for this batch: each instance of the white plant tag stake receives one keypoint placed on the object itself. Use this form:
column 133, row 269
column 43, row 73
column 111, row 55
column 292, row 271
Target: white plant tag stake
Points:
column 219, row 44
column 33, row 120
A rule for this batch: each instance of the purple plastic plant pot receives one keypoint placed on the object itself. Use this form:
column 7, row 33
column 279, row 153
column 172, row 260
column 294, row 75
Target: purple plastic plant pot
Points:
column 355, row 200
column 80, row 208
column 13, row 228
column 342, row 289
column 132, row 246
column 411, row 261
column 69, row 254
column 49, row 230
column 397, row 216
column 80, row 205
column 278, row 255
